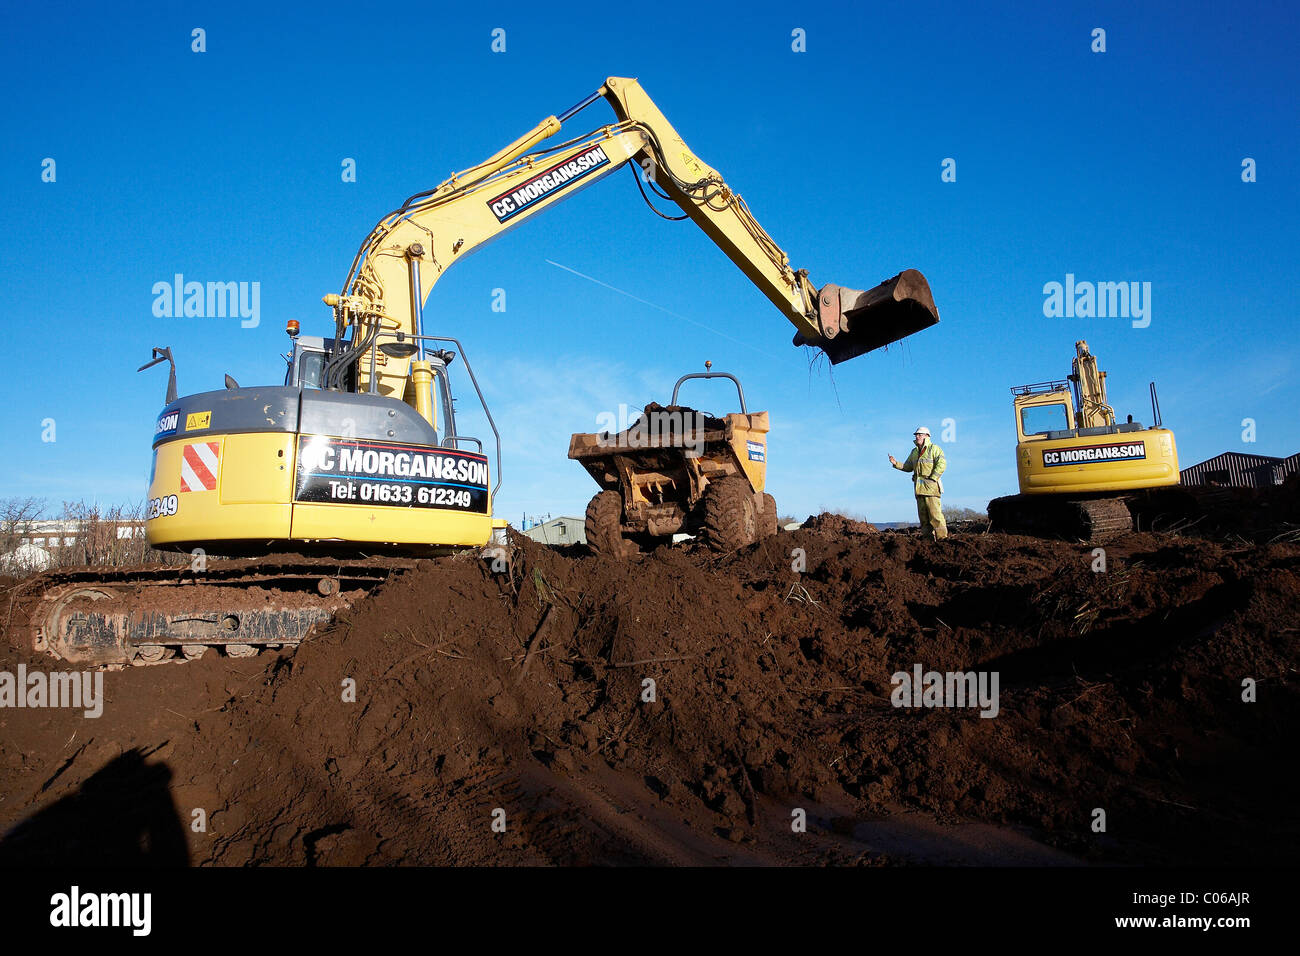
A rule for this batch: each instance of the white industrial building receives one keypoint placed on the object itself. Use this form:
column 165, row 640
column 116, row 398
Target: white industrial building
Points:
column 27, row 546
column 559, row 531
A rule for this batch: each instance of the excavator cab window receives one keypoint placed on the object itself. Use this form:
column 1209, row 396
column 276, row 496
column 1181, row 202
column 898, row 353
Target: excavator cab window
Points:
column 311, row 369
column 442, row 400
column 1041, row 419
column 307, row 362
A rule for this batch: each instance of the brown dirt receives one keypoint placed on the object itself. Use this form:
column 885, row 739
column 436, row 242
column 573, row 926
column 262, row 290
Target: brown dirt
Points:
column 838, row 524
column 523, row 691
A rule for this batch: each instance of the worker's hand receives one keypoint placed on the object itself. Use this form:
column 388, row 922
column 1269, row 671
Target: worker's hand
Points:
column 893, row 461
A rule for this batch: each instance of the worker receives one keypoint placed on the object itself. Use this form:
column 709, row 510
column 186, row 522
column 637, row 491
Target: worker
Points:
column 926, row 462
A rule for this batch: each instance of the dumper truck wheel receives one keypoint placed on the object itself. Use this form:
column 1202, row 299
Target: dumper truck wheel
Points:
column 767, row 519
column 730, row 517
column 604, row 526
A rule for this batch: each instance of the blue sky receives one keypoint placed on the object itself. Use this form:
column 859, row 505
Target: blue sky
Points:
column 225, row 165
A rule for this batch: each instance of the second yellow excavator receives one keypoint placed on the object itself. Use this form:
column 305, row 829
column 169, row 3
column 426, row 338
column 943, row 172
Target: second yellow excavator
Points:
column 358, row 451
column 1076, row 464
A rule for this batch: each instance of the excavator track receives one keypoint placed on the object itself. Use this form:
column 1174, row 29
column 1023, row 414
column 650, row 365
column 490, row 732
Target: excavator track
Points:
column 156, row 614
column 1207, row 508
column 1102, row 517
column 1089, row 519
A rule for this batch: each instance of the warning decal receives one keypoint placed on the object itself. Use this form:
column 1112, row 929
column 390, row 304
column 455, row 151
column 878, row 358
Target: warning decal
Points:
column 199, row 466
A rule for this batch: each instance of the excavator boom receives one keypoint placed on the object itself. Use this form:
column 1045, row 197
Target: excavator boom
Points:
column 409, row 249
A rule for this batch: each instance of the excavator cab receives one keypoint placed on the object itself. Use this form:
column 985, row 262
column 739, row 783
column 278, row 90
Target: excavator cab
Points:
column 307, row 361
column 306, row 369
column 1042, row 410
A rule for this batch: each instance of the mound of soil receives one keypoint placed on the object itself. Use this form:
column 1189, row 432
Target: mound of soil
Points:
column 683, row 707
column 828, row 523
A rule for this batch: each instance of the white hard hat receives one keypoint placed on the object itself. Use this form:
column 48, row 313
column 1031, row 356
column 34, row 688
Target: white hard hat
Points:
column 922, row 431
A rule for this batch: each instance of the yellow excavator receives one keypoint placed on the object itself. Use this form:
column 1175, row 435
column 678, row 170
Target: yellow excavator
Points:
column 1076, row 464
column 358, row 451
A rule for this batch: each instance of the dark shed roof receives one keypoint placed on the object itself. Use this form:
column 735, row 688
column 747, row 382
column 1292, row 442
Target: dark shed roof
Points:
column 1238, row 470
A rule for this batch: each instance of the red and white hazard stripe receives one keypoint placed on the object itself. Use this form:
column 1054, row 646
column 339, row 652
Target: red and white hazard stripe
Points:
column 199, row 466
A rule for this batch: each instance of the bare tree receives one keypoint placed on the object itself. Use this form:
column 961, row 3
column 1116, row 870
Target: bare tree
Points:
column 110, row 537
column 17, row 517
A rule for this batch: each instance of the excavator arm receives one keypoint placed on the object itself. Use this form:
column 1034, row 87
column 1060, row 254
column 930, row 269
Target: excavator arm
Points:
column 1089, row 382
column 842, row 322
column 409, row 249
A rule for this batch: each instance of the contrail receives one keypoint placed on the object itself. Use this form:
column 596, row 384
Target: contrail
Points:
column 676, row 315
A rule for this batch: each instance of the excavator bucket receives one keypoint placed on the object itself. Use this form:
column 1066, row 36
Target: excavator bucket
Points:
column 855, row 322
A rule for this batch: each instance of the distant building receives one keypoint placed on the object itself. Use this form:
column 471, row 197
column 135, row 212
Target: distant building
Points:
column 1233, row 469
column 36, row 545
column 560, row 531
column 63, row 532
